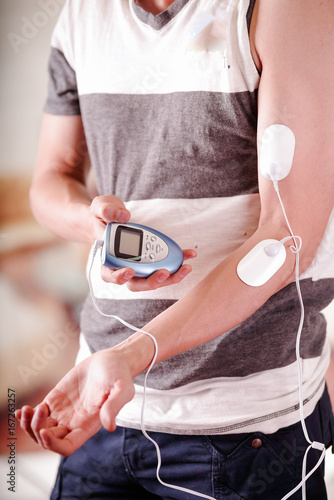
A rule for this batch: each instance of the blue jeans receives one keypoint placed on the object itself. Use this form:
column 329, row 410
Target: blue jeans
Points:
column 122, row 465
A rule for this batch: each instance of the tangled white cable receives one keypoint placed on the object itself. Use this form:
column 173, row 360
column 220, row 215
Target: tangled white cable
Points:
column 312, row 444
column 97, row 244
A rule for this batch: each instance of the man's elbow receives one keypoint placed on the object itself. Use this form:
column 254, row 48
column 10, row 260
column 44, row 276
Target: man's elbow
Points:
column 304, row 255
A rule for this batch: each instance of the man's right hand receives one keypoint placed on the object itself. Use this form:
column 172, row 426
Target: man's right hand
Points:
column 62, row 202
column 109, row 208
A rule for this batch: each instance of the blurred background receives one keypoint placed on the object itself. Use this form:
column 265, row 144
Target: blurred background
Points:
column 42, row 278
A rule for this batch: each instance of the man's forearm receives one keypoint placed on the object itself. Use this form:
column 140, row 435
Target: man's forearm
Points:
column 59, row 197
column 218, row 303
column 62, row 205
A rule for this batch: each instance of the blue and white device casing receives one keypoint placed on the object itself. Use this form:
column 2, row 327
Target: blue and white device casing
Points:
column 141, row 248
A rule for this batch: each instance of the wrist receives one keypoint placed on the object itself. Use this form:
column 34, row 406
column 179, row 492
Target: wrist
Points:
column 81, row 222
column 88, row 224
column 138, row 351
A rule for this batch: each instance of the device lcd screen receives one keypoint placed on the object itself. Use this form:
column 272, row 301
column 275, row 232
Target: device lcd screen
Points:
column 128, row 243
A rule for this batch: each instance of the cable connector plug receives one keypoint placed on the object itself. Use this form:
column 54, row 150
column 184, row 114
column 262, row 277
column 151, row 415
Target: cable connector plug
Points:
column 318, row 446
column 96, row 246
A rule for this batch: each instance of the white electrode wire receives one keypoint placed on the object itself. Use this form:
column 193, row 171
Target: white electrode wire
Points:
column 96, row 246
column 302, row 482
column 320, row 446
column 296, row 249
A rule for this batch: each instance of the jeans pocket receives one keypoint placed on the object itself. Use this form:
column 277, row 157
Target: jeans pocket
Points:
column 256, row 466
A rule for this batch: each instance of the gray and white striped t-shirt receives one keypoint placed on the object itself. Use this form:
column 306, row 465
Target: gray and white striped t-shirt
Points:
column 169, row 107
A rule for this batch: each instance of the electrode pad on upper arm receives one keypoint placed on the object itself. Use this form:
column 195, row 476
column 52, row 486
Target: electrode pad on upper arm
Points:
column 276, row 152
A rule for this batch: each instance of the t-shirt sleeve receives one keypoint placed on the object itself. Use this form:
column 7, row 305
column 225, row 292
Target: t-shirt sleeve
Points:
column 63, row 96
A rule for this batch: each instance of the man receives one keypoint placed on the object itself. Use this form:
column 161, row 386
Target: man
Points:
column 172, row 98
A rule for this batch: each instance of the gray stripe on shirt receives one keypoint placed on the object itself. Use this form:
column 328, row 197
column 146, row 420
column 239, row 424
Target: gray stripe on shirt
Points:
column 188, row 144
column 262, row 342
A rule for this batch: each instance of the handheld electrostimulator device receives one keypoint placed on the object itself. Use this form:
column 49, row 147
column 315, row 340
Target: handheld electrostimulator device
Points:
column 146, row 250
column 142, row 248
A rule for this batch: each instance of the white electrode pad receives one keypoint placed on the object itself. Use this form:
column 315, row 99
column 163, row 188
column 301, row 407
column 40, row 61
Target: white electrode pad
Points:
column 262, row 262
column 276, row 151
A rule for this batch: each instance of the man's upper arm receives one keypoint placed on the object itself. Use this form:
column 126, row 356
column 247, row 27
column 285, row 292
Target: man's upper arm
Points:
column 62, row 148
column 295, row 46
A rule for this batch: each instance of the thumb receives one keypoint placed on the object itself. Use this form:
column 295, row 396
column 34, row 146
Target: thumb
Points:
column 121, row 393
column 109, row 208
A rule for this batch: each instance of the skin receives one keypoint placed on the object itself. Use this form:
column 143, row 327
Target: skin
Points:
column 154, row 6
column 296, row 89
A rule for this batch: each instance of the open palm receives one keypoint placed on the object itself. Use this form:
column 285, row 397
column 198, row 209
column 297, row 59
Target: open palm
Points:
column 87, row 397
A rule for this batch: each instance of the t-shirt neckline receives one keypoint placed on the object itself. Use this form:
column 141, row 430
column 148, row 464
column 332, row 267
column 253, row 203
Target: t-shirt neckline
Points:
column 160, row 20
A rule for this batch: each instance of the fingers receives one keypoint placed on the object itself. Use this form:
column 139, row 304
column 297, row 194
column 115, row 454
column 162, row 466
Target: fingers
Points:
column 32, row 421
column 46, row 433
column 159, row 279
column 64, row 441
column 26, row 415
column 109, row 208
column 39, row 421
column 61, row 441
column 119, row 277
column 58, row 443
column 156, row 280
column 189, row 254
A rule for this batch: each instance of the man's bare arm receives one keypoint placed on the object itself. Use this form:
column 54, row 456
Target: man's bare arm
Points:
column 59, row 196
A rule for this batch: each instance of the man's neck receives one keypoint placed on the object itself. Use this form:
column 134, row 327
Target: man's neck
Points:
column 154, row 6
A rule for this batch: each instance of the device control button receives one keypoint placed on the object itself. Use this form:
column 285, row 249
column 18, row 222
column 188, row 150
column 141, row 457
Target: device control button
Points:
column 148, row 245
column 152, row 256
column 153, row 238
column 158, row 248
column 256, row 443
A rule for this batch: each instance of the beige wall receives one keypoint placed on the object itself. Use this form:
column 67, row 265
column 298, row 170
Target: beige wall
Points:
column 41, row 276
column 25, row 31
